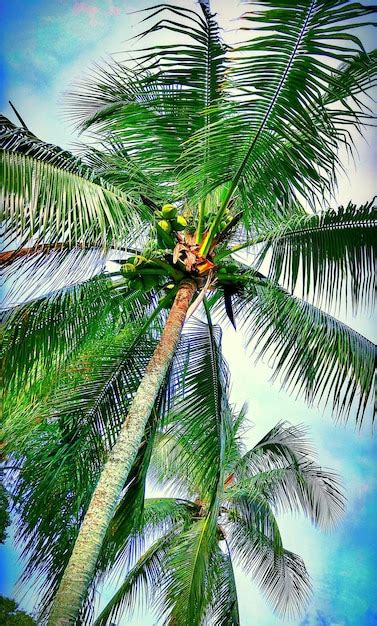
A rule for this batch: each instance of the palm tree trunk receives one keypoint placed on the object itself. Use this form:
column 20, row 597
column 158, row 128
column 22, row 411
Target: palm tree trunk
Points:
column 81, row 566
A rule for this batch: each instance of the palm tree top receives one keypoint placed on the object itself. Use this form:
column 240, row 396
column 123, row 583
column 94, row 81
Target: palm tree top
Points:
column 196, row 539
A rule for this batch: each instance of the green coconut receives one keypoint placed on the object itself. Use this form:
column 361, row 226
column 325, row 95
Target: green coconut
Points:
column 169, row 211
column 149, row 282
column 126, row 268
column 180, row 223
column 137, row 284
column 165, row 226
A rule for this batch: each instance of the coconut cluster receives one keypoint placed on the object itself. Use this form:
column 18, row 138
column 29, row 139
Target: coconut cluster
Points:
column 135, row 270
column 171, row 221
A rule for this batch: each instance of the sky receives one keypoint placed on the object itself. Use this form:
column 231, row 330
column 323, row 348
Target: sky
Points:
column 46, row 45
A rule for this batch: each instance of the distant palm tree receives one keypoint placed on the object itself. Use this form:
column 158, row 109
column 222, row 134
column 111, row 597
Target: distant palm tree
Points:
column 200, row 150
column 183, row 549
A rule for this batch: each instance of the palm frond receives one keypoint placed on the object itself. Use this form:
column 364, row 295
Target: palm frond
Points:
column 70, row 433
column 312, row 353
column 38, row 337
column 274, row 109
column 286, row 454
column 50, row 197
column 299, row 487
column 149, row 108
column 223, row 609
column 200, row 434
column 281, row 575
column 284, row 443
column 30, row 273
column 356, row 76
column 329, row 254
column 191, row 562
column 199, row 417
column 141, row 585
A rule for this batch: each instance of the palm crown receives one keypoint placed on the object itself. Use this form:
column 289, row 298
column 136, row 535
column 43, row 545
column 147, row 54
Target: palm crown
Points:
column 200, row 150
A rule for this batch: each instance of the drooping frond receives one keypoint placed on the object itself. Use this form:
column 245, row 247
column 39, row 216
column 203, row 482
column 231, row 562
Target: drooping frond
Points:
column 70, row 433
column 284, row 443
column 197, row 435
column 50, row 197
column 200, row 414
column 311, row 352
column 158, row 518
column 40, row 335
column 280, row 574
column 290, row 482
column 357, row 76
column 191, row 566
column 223, row 609
column 141, row 585
column 30, row 273
column 328, row 254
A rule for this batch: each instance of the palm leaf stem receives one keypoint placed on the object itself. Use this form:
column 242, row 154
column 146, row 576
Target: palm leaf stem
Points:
column 241, row 246
column 237, row 177
column 199, row 232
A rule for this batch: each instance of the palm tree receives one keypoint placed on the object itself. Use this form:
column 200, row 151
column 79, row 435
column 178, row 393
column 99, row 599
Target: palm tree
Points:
column 239, row 146
column 183, row 549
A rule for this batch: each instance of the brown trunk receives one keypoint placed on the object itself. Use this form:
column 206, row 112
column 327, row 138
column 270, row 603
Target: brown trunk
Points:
column 81, row 566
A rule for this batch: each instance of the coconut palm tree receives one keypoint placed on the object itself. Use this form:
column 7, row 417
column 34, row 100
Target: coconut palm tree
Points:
column 183, row 549
column 200, row 150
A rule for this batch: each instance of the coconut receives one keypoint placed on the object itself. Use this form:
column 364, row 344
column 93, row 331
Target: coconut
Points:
column 169, row 211
column 137, row 284
column 180, row 223
column 165, row 226
column 149, row 282
column 126, row 268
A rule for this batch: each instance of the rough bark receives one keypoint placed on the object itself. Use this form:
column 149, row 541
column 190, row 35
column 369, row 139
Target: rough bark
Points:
column 81, row 566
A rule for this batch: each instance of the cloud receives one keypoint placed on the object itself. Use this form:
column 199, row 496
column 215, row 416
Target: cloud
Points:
column 114, row 10
column 83, row 7
column 86, row 9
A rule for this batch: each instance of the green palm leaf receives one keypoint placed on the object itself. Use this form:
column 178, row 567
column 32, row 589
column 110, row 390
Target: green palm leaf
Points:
column 223, row 610
column 192, row 563
column 151, row 109
column 327, row 253
column 274, row 110
column 201, row 432
column 70, row 432
column 50, row 197
column 39, row 336
column 281, row 575
column 289, row 478
column 141, row 585
column 199, row 385
column 160, row 521
column 358, row 75
column 30, row 273
column 314, row 354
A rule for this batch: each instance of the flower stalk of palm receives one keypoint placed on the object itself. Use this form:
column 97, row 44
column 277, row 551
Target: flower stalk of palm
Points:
column 237, row 140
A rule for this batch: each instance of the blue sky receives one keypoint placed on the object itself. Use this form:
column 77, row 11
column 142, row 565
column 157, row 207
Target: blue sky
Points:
column 46, row 45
